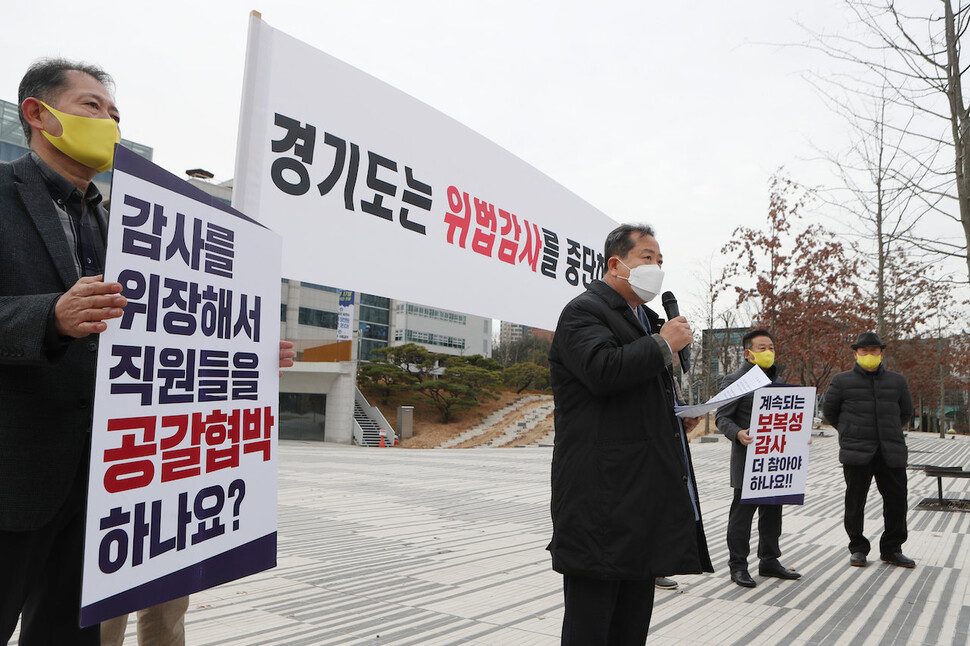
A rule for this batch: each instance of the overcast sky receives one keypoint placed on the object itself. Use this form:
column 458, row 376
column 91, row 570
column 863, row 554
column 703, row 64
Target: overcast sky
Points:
column 670, row 113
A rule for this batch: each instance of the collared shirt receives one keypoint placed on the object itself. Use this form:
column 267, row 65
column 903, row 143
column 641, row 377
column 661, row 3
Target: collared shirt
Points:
column 645, row 324
column 76, row 211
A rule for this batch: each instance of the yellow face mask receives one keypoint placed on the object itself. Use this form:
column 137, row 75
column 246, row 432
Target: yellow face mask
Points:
column 868, row 361
column 86, row 140
column 764, row 359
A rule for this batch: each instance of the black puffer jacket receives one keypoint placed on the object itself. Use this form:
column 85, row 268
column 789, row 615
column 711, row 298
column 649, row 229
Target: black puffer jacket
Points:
column 869, row 409
column 621, row 508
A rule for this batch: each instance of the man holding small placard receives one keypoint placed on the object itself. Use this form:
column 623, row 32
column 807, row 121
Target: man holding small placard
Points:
column 733, row 420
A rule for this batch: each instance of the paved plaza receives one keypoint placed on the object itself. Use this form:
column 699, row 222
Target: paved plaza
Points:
column 426, row 548
column 436, row 547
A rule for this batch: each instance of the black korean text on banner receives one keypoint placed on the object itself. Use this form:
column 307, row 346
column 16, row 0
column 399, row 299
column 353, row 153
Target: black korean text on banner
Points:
column 348, row 168
column 186, row 396
column 471, row 222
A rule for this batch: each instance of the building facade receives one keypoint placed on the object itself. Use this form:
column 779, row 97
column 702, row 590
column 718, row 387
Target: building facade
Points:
column 722, row 349
column 511, row 332
column 441, row 331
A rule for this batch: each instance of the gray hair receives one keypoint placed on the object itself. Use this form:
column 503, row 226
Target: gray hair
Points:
column 46, row 78
column 620, row 241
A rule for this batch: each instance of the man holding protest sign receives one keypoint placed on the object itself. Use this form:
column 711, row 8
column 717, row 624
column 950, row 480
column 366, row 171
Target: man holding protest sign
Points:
column 869, row 406
column 624, row 504
column 733, row 420
column 53, row 305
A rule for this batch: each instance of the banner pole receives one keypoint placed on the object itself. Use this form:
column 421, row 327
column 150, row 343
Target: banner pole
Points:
column 251, row 106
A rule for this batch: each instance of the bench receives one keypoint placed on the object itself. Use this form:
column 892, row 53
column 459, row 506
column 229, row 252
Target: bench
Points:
column 944, row 472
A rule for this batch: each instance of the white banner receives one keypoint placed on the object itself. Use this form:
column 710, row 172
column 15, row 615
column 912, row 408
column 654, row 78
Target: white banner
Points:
column 182, row 491
column 345, row 315
column 377, row 192
column 776, row 464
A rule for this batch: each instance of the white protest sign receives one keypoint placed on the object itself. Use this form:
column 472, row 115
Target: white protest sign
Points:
column 182, row 491
column 776, row 463
column 374, row 191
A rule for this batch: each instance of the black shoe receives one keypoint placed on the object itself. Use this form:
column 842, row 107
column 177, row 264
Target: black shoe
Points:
column 897, row 558
column 663, row 583
column 742, row 578
column 858, row 559
column 775, row 569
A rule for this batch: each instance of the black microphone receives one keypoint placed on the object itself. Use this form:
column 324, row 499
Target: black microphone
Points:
column 670, row 307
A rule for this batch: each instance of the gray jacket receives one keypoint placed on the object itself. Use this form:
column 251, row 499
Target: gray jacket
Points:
column 736, row 416
column 46, row 391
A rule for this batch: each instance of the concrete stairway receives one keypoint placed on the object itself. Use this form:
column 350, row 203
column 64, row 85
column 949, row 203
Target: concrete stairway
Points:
column 371, row 430
column 482, row 427
column 535, row 409
column 546, row 440
column 533, row 418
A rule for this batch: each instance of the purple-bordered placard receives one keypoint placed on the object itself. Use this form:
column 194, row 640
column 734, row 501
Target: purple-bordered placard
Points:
column 134, row 164
column 244, row 560
column 119, row 580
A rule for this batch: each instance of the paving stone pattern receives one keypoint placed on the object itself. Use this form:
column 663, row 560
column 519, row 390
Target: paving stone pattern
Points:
column 434, row 548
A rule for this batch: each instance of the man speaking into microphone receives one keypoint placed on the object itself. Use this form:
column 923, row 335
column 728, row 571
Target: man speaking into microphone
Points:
column 624, row 500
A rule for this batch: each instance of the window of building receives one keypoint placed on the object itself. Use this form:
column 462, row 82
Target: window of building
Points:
column 317, row 318
column 10, row 129
column 373, row 314
column 322, row 288
column 440, row 315
column 367, row 347
column 373, row 331
column 302, row 416
column 375, row 301
column 443, row 340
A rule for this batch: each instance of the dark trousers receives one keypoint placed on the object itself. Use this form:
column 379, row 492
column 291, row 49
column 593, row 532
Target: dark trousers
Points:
column 40, row 577
column 606, row 613
column 739, row 532
column 891, row 483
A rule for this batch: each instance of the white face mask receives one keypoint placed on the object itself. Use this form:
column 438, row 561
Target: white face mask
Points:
column 645, row 280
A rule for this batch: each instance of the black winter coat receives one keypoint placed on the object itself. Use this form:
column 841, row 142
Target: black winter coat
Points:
column 736, row 416
column 621, row 509
column 869, row 409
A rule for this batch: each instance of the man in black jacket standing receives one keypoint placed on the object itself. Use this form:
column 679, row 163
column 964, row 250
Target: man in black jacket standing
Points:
column 53, row 305
column 869, row 406
column 733, row 420
column 624, row 499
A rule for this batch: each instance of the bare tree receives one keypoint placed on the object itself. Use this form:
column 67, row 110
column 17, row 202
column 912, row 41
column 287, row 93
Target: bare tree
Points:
column 715, row 315
column 874, row 198
column 907, row 62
